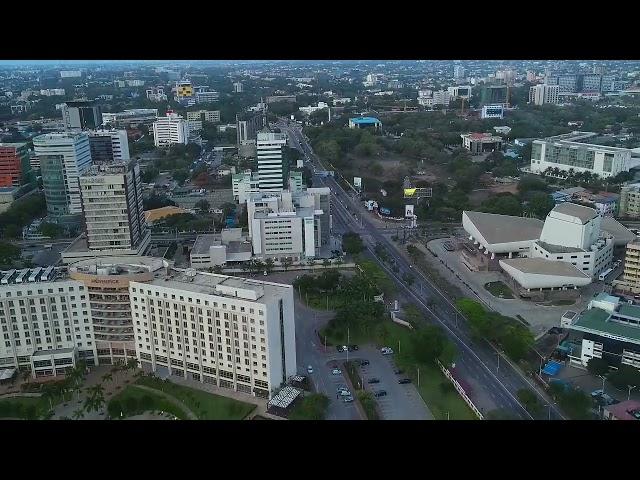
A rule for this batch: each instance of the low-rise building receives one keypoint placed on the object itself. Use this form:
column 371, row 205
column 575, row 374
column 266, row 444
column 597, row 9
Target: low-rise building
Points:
column 212, row 116
column 610, row 329
column 365, row 122
column 630, row 201
column 492, row 111
column 479, row 143
column 213, row 250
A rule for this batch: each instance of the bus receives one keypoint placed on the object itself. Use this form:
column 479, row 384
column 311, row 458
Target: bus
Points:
column 603, row 276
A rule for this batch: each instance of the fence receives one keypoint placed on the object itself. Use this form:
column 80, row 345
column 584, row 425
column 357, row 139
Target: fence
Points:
column 460, row 390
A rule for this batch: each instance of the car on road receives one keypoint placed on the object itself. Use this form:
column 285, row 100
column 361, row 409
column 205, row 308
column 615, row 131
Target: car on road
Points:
column 344, row 393
column 380, row 393
column 342, row 388
column 336, row 371
column 309, row 369
column 398, row 371
column 404, row 381
column 348, row 399
column 364, row 363
column 373, row 380
column 386, row 351
column 340, row 348
column 353, row 348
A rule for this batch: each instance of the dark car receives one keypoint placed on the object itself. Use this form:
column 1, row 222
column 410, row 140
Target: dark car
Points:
column 339, row 348
column 404, row 381
column 373, row 380
column 364, row 363
column 381, row 393
column 353, row 348
column 398, row 371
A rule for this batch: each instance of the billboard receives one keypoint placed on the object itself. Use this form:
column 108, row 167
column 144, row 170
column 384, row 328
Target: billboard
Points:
column 408, row 211
column 417, row 192
column 384, row 211
column 357, row 182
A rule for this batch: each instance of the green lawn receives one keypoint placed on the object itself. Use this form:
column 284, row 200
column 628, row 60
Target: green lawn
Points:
column 369, row 404
column 205, row 405
column 24, row 407
column 498, row 289
column 158, row 403
column 377, row 275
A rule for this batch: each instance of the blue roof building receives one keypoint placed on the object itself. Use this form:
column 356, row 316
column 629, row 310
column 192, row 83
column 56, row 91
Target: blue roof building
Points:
column 365, row 122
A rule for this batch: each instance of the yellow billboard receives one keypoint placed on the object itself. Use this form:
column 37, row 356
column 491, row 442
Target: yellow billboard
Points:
column 409, row 192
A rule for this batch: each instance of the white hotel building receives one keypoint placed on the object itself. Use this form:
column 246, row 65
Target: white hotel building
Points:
column 232, row 332
column 270, row 169
column 46, row 322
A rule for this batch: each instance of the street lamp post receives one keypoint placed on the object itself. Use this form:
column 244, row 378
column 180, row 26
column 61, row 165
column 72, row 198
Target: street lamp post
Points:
column 498, row 367
column 630, row 387
column 418, row 376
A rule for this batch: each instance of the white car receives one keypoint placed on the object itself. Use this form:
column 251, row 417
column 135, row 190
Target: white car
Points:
column 309, row 369
column 386, row 351
column 336, row 371
column 344, row 393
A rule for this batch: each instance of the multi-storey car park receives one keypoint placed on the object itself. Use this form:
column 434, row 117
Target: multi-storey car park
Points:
column 231, row 332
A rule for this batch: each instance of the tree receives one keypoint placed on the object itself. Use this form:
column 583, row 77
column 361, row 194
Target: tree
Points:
column 311, row 407
column 352, row 243
column 107, row 377
column 132, row 406
column 202, row 206
column 408, row 278
column 78, row 414
column 530, row 401
column 114, row 408
column 180, row 176
column 269, row 264
column 326, row 263
column 597, row 366
column 95, row 398
column 625, row 376
column 540, row 204
column 286, row 263
column 8, row 253
column 430, row 344
column 50, row 230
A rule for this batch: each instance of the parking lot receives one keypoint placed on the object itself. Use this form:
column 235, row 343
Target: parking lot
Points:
column 402, row 402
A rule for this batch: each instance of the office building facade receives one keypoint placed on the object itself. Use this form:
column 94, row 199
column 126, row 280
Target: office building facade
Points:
column 211, row 116
column 272, row 170
column 130, row 118
column 112, row 205
column 108, row 146
column 76, row 159
column 630, row 201
column 542, row 94
column 15, row 165
column 82, row 115
column 565, row 152
column 170, row 130
column 231, row 332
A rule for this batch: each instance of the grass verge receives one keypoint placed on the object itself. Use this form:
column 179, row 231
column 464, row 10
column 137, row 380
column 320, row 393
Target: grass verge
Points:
column 205, row 405
column 134, row 401
column 498, row 289
column 369, row 404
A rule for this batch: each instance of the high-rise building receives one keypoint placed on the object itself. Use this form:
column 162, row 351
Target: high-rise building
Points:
column 244, row 329
column 493, row 94
column 591, row 82
column 458, row 72
column 82, row 115
column 541, row 94
column 108, row 146
column 248, row 126
column 15, row 166
column 272, row 170
column 113, row 212
column 631, row 278
column 76, row 159
column 106, row 280
column 55, row 190
column 169, row 130
column 237, row 87
column 52, row 334
column 206, row 97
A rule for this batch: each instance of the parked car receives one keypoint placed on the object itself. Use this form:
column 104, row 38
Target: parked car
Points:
column 380, row 393
column 353, row 348
column 404, row 381
column 386, row 351
column 373, row 380
column 364, row 363
column 344, row 393
column 339, row 348
column 336, row 371
column 398, row 371
column 309, row 369
column 348, row 399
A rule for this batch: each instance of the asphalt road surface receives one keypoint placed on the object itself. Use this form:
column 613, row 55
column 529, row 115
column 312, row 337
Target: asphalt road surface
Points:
column 494, row 380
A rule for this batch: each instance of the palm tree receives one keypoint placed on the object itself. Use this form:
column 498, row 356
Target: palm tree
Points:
column 269, row 264
column 48, row 392
column 95, row 399
column 78, row 414
column 287, row 262
column 107, row 377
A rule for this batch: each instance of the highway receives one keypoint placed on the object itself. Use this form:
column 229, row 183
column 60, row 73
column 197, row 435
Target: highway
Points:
column 478, row 361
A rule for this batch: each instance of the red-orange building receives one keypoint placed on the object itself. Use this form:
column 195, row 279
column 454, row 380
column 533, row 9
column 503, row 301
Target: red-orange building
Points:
column 15, row 169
